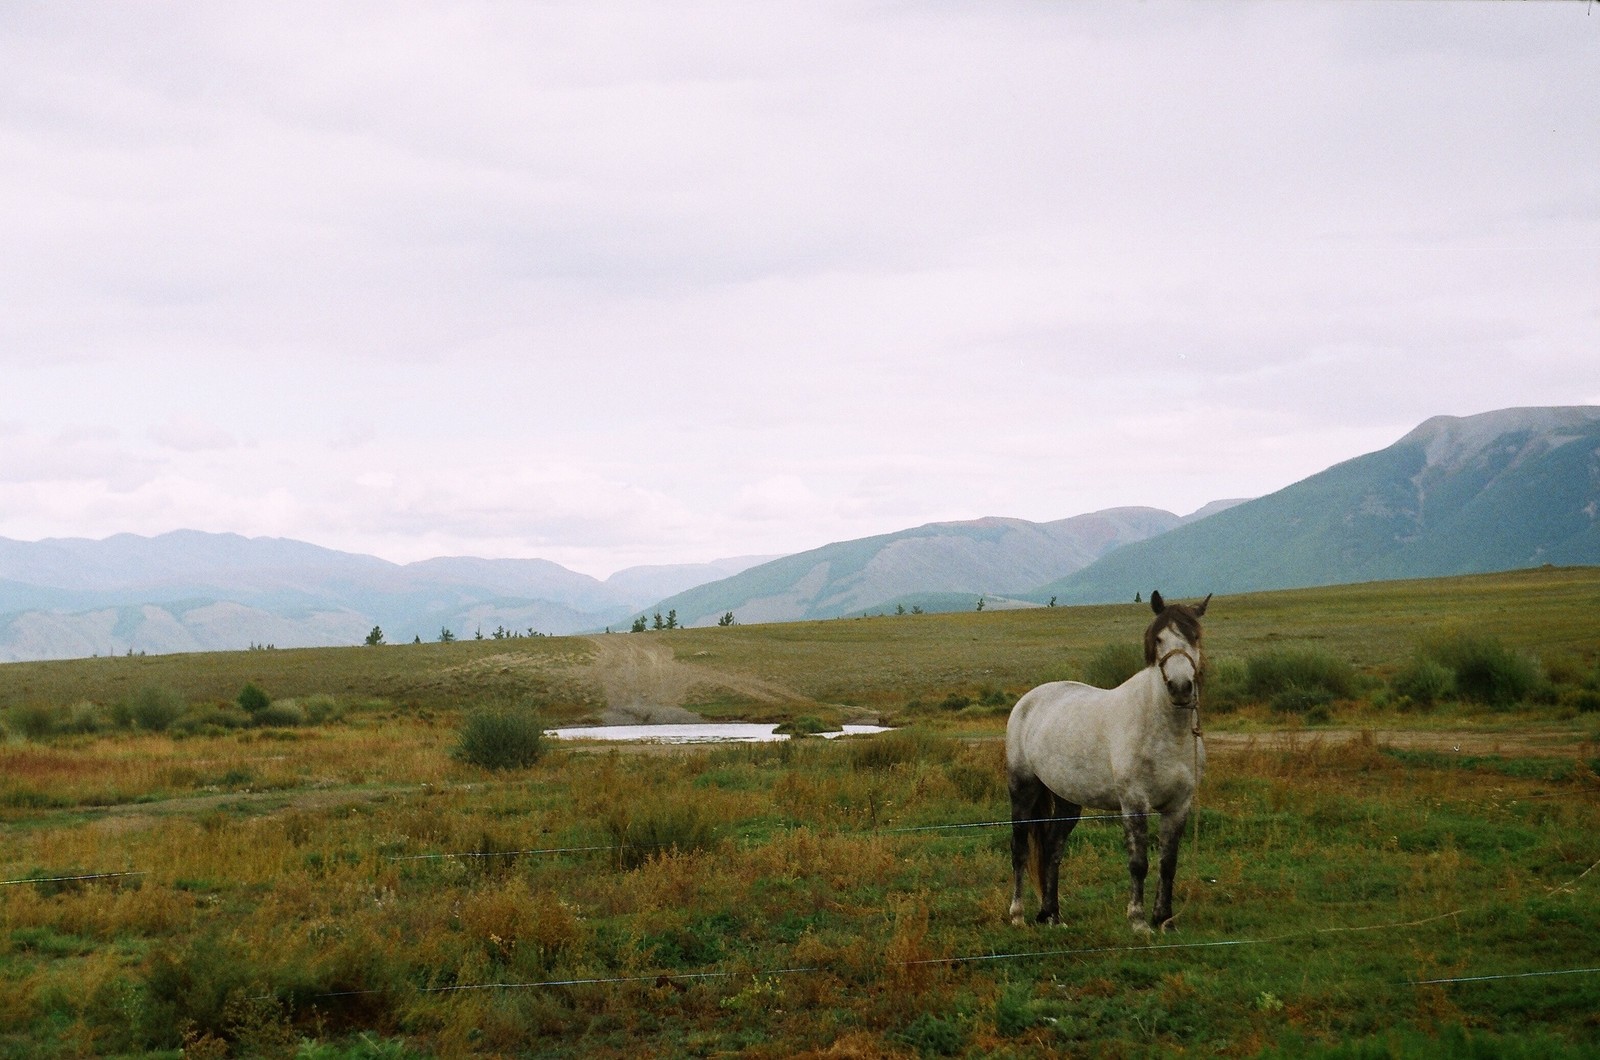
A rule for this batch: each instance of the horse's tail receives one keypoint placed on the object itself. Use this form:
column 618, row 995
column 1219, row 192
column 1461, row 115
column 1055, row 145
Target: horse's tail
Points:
column 1038, row 830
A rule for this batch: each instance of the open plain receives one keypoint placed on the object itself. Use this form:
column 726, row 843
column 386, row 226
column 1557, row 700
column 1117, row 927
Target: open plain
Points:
column 1384, row 866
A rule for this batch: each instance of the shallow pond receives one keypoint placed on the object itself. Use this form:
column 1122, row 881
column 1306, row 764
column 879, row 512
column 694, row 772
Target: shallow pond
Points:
column 700, row 732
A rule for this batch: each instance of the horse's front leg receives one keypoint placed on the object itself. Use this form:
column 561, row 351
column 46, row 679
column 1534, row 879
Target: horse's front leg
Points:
column 1136, row 831
column 1172, row 828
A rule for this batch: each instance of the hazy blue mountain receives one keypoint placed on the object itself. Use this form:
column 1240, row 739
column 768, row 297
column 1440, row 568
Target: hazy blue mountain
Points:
column 641, row 585
column 940, row 566
column 193, row 591
column 1507, row 489
column 1457, row 495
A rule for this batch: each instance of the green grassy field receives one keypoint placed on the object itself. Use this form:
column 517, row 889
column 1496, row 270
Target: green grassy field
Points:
column 351, row 888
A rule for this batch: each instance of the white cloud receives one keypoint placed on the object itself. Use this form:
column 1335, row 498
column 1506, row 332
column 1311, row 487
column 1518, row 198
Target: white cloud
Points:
column 617, row 284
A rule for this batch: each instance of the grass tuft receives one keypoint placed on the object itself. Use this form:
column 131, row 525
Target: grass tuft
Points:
column 1113, row 664
column 501, row 737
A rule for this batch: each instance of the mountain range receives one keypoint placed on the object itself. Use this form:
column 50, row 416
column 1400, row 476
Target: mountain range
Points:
column 1506, row 489
column 194, row 591
column 1457, row 495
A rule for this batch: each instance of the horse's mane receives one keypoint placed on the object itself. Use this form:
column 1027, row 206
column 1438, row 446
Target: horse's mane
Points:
column 1182, row 617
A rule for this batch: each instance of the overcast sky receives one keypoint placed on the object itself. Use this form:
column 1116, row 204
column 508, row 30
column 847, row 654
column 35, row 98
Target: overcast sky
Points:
column 620, row 283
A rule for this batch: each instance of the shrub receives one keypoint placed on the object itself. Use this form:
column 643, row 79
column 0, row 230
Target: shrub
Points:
column 1226, row 685
column 1295, row 699
column 1113, row 664
column 253, row 700
column 1425, row 682
column 889, row 749
column 806, row 725
column 191, row 987
column 156, row 708
column 322, row 708
column 280, row 714
column 212, row 719
column 1308, row 670
column 1583, row 700
column 996, row 697
column 1014, row 1011
column 932, row 1036
column 1485, row 670
column 501, row 737
column 664, row 827
column 34, row 720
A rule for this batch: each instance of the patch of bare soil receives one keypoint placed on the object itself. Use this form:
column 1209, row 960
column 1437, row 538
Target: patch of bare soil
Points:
column 126, row 817
column 644, row 684
column 1524, row 744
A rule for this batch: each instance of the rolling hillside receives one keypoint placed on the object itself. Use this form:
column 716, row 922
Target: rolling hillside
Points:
column 1498, row 491
column 940, row 566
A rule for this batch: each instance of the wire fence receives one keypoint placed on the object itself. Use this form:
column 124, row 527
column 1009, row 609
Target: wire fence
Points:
column 70, row 879
column 951, row 961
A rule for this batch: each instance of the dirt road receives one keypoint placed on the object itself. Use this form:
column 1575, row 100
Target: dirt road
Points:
column 645, row 684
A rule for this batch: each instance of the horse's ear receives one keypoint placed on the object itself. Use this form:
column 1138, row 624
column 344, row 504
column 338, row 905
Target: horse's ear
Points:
column 1200, row 608
column 1157, row 604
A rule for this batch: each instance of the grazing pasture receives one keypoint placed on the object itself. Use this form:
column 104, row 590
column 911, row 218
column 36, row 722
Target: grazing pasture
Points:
column 1375, row 872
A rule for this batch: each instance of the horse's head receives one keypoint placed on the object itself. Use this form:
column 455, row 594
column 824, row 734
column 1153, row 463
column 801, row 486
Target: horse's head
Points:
column 1172, row 643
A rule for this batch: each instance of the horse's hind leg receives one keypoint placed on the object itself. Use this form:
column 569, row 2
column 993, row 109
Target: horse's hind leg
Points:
column 1027, row 795
column 1064, row 819
column 1040, row 824
column 1172, row 828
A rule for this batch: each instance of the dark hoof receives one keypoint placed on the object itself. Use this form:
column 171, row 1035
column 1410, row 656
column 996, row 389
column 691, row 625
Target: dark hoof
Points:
column 1048, row 918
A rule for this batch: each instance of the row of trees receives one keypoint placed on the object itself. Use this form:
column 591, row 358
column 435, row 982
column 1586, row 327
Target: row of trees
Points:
column 375, row 638
column 671, row 621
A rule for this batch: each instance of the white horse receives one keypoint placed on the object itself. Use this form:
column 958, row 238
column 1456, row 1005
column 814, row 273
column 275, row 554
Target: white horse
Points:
column 1135, row 749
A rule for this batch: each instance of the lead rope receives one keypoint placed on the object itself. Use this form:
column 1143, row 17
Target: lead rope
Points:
column 1196, row 730
column 1199, row 682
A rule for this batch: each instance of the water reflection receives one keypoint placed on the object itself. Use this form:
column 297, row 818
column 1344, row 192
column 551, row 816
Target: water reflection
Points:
column 702, row 732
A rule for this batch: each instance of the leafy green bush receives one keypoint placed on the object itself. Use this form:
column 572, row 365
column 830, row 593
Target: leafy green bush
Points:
column 501, row 737
column 1583, row 700
column 1015, row 1011
column 1312, row 702
column 996, row 697
column 1484, row 669
column 902, row 746
column 280, row 714
column 805, row 725
column 33, row 720
column 253, row 700
column 1425, row 682
column 212, row 719
column 156, row 708
column 1225, row 685
column 673, row 826
column 1113, row 664
column 1307, row 670
column 190, row 988
column 932, row 1036
column 322, row 708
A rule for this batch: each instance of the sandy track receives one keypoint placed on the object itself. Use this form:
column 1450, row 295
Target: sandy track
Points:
column 645, row 684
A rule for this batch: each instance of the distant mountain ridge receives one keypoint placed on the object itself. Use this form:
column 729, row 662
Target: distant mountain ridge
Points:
column 939, row 566
column 1457, row 495
column 1496, row 491
column 194, row 591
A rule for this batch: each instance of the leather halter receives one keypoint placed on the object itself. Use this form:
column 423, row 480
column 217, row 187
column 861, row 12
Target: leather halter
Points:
column 1194, row 699
column 1161, row 664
